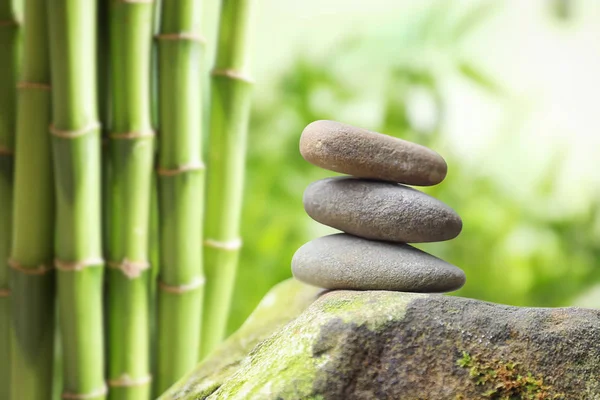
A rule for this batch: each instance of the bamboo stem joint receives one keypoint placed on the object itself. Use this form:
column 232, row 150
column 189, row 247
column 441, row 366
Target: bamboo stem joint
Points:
column 230, row 245
column 74, row 266
column 38, row 270
column 34, row 85
column 9, row 22
column 197, row 283
column 194, row 37
column 131, row 269
column 6, row 152
column 72, row 134
column 132, row 135
column 127, row 381
column 197, row 166
column 232, row 74
column 84, row 396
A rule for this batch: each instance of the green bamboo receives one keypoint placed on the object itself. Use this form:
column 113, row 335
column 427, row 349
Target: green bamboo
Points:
column 76, row 154
column 32, row 252
column 103, row 73
column 181, row 176
column 154, row 234
column 131, row 157
column 9, row 59
column 230, row 111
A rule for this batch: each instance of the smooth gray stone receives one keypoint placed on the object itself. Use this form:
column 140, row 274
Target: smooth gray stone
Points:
column 380, row 210
column 343, row 261
column 359, row 152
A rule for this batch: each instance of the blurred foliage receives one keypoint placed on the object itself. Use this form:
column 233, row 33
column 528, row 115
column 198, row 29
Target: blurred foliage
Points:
column 562, row 9
column 512, row 252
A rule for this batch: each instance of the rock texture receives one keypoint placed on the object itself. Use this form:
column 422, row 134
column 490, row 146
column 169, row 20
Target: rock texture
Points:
column 343, row 261
column 380, row 210
column 284, row 302
column 390, row 345
column 359, row 152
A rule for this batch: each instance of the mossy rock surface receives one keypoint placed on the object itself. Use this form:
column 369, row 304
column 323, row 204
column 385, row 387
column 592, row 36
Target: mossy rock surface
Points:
column 390, row 345
column 284, row 302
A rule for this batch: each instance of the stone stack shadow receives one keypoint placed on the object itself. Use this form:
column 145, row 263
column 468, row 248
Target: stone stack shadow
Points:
column 378, row 214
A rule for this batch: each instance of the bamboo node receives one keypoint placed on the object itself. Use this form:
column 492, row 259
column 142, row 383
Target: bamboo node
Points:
column 194, row 37
column 196, row 166
column 9, row 22
column 66, row 134
column 34, row 85
column 75, row 266
column 5, row 151
column 4, row 293
column 131, row 269
column 198, row 282
column 37, row 270
column 232, row 74
column 127, row 381
column 132, row 135
column 230, row 245
column 84, row 396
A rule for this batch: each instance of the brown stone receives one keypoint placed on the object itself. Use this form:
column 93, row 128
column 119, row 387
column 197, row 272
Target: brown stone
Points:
column 359, row 152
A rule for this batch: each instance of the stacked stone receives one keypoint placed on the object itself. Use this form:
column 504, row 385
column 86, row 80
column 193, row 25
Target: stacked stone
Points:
column 377, row 212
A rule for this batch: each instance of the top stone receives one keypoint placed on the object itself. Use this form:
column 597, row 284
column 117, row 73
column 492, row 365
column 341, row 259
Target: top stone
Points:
column 365, row 154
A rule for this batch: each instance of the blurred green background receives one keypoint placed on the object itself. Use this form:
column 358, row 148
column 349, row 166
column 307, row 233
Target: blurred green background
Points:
column 506, row 91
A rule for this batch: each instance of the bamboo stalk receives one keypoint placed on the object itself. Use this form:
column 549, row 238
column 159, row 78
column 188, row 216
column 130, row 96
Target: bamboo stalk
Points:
column 104, row 100
column 181, row 177
column 76, row 154
column 9, row 56
column 103, row 96
column 154, row 244
column 230, row 111
column 131, row 157
column 154, row 234
column 32, row 251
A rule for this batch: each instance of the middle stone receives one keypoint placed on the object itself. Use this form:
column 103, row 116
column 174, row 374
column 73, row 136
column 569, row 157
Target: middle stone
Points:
column 380, row 210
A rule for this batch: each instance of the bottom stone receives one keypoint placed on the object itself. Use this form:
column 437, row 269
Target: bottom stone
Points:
column 343, row 261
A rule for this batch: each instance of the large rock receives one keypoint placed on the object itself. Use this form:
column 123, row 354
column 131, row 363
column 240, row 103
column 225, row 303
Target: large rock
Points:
column 390, row 345
column 284, row 302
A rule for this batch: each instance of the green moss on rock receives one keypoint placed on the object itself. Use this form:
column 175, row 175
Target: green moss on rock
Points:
column 389, row 345
column 506, row 380
column 282, row 304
